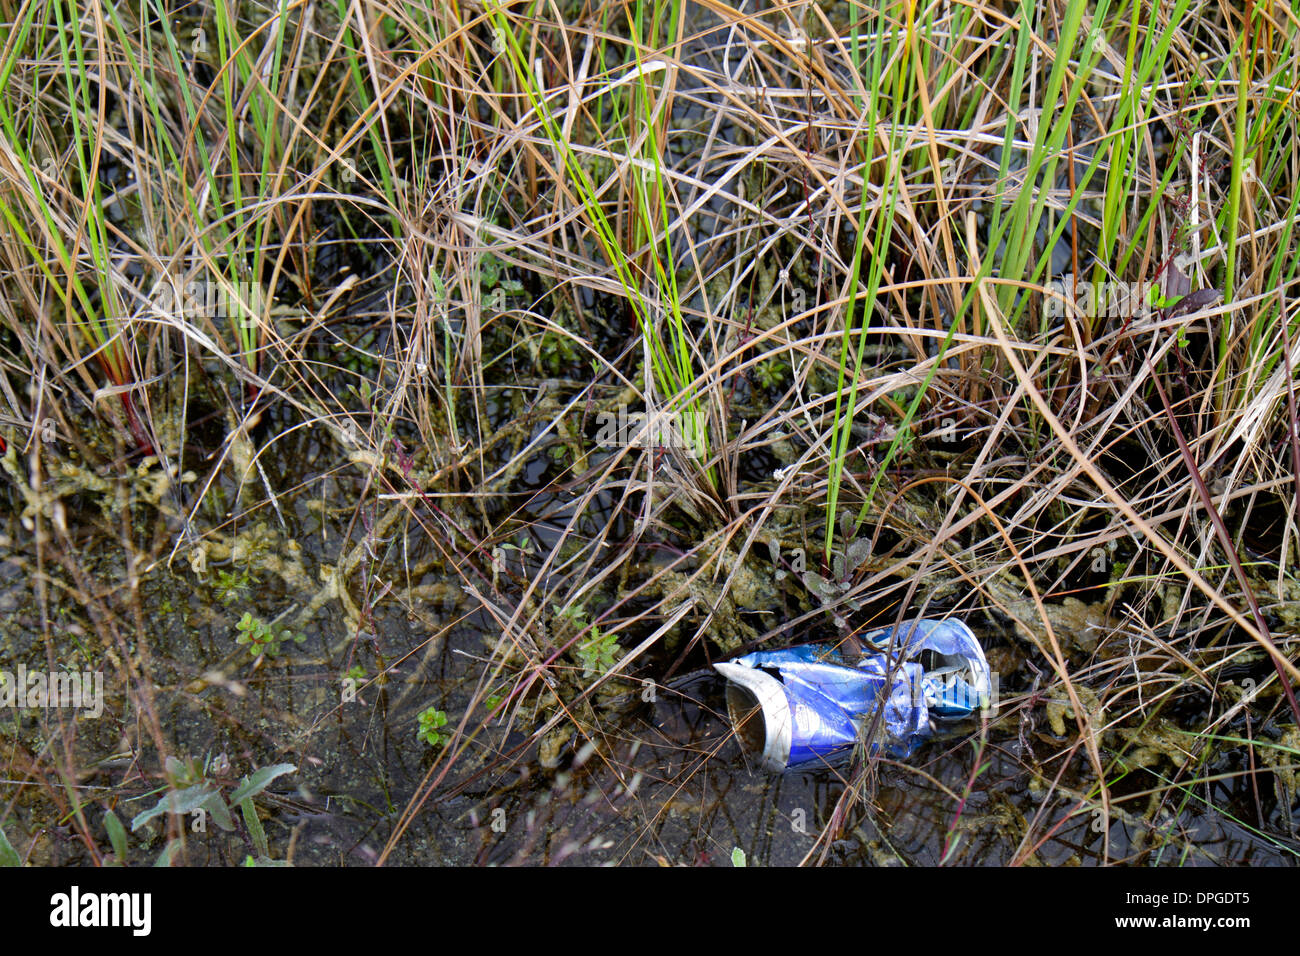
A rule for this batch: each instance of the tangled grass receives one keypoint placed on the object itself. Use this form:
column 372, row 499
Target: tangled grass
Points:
column 615, row 324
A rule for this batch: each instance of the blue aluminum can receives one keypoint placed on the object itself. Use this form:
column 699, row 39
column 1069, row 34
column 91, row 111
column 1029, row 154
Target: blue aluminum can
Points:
column 804, row 706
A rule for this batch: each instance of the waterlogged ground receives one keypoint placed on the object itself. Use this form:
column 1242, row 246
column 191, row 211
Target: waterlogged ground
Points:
column 654, row 776
column 148, row 585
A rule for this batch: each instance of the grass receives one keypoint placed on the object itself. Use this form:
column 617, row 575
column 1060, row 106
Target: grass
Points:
column 333, row 298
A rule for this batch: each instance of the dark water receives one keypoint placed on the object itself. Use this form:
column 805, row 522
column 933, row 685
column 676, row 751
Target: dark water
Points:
column 646, row 781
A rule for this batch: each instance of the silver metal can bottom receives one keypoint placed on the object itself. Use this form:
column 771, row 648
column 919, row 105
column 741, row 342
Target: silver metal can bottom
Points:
column 746, row 715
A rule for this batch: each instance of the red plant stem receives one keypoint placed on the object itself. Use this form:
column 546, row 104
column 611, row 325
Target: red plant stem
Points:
column 961, row 804
column 1290, row 407
column 137, row 427
column 1225, row 540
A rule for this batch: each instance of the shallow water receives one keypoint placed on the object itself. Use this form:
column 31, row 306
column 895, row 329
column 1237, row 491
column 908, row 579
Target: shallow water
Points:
column 646, row 781
column 649, row 781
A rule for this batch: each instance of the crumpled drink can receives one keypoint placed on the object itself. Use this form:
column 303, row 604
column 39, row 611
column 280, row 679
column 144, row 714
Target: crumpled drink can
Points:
column 804, row 706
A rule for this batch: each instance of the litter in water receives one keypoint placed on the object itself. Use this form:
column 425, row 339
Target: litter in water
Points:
column 805, row 706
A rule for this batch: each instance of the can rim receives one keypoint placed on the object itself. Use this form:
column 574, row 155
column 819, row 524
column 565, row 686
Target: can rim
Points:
column 768, row 694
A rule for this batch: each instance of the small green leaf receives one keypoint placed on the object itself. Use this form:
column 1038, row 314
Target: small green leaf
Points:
column 737, row 857
column 220, row 812
column 8, row 855
column 431, row 718
column 175, row 801
column 177, row 770
column 169, row 851
column 116, row 835
column 254, row 825
column 858, row 551
column 252, row 785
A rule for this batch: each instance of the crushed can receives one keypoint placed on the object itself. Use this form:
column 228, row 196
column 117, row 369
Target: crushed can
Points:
column 805, row 706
